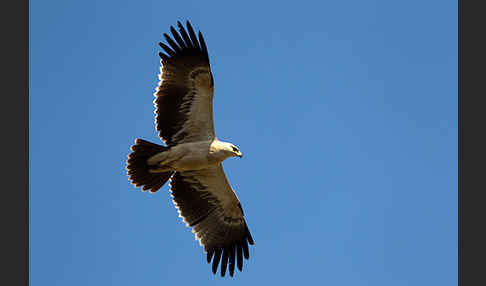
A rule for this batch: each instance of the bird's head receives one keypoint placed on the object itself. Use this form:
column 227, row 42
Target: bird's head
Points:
column 222, row 150
column 233, row 150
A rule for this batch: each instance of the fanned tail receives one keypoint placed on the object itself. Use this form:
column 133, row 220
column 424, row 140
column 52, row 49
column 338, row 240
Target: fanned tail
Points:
column 138, row 170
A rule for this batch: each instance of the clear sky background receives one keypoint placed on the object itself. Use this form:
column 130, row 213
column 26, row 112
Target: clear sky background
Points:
column 346, row 112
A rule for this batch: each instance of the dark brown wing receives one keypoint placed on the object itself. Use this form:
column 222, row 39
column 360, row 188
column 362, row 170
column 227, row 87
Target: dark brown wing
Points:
column 184, row 96
column 207, row 203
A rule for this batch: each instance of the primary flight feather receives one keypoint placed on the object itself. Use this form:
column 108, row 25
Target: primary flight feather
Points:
column 192, row 158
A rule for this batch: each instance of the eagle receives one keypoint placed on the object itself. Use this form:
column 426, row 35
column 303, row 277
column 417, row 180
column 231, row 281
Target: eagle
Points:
column 192, row 156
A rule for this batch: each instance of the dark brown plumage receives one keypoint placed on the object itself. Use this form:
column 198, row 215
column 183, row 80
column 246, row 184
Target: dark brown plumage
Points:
column 183, row 56
column 184, row 114
column 202, row 211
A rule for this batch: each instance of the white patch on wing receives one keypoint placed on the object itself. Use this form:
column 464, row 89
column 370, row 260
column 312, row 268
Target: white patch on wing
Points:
column 199, row 124
column 220, row 188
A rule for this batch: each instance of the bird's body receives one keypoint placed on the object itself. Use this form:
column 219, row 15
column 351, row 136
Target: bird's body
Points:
column 190, row 156
column 192, row 159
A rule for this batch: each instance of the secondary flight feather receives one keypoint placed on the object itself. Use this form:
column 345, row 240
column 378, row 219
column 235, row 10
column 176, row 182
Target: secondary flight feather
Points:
column 193, row 155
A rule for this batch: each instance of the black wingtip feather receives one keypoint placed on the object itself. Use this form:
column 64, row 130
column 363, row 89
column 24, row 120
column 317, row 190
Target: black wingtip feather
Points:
column 172, row 44
column 246, row 252
column 178, row 38
column 239, row 257
column 232, row 260
column 167, row 49
column 224, row 261
column 184, row 43
column 194, row 40
column 184, row 35
column 217, row 256
column 204, row 49
column 210, row 255
column 248, row 236
column 164, row 57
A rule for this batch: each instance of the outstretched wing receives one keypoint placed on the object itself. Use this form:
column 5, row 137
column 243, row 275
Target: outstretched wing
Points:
column 207, row 203
column 184, row 96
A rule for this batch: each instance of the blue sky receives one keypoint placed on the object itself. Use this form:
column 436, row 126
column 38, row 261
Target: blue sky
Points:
column 346, row 112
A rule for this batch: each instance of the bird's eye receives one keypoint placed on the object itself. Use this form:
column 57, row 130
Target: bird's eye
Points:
column 234, row 149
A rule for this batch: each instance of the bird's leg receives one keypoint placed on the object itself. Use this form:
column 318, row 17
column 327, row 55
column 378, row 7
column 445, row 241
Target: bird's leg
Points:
column 158, row 163
column 158, row 159
column 161, row 170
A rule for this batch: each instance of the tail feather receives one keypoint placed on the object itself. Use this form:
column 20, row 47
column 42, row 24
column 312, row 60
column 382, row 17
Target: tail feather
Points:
column 138, row 170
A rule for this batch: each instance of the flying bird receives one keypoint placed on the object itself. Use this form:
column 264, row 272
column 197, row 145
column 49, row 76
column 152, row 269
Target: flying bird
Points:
column 193, row 155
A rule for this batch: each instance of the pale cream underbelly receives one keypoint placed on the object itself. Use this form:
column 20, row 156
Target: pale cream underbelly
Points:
column 190, row 163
